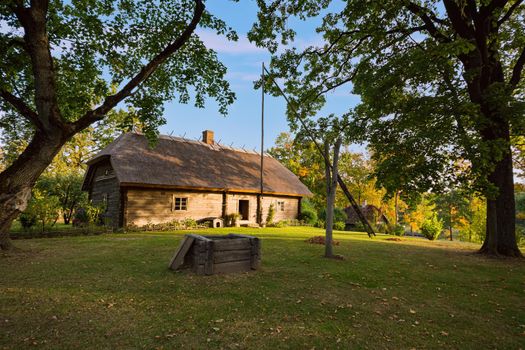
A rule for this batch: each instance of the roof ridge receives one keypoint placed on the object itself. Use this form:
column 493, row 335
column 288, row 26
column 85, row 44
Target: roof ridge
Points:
column 212, row 146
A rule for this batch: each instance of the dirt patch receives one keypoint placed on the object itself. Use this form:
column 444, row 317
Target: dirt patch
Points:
column 395, row 239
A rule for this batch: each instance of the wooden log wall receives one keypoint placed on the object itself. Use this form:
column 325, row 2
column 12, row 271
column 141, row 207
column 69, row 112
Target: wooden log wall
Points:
column 105, row 184
column 155, row 206
column 143, row 206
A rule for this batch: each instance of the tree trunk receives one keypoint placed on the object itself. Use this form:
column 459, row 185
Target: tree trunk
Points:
column 331, row 186
column 450, row 222
column 500, row 231
column 500, row 236
column 18, row 179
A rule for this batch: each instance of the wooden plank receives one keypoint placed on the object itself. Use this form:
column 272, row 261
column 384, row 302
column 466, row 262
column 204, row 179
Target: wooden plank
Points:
column 184, row 247
column 232, row 244
column 233, row 266
column 255, row 253
column 232, row 255
column 239, row 235
column 208, row 264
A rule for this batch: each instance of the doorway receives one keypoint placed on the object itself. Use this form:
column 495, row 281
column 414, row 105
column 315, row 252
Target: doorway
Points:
column 244, row 209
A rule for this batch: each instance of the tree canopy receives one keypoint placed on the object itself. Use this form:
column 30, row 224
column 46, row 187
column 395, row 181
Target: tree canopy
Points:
column 67, row 64
column 440, row 84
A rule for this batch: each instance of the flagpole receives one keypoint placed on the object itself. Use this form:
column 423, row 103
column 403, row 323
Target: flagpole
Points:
column 262, row 145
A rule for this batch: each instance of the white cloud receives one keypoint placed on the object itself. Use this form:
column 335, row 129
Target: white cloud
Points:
column 220, row 44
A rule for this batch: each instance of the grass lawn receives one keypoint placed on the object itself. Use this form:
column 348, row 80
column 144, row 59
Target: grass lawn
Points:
column 115, row 292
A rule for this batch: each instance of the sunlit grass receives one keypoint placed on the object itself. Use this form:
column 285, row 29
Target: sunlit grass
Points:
column 115, row 292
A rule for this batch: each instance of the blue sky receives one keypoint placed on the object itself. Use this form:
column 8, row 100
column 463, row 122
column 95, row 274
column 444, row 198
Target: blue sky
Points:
column 243, row 60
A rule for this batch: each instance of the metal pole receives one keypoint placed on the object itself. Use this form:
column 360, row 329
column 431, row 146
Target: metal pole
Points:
column 342, row 184
column 262, row 146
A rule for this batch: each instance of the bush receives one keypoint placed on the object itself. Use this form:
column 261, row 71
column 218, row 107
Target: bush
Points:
column 339, row 215
column 271, row 214
column 432, row 227
column 27, row 220
column 339, row 226
column 231, row 219
column 81, row 217
column 309, row 216
column 320, row 223
column 397, row 230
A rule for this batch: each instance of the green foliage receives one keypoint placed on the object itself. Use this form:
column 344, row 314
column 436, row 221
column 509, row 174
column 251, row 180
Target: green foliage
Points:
column 27, row 220
column 95, row 213
column 231, row 219
column 309, row 216
column 98, row 46
column 174, row 225
column 308, row 212
column 45, row 209
column 397, row 230
column 339, row 215
column 66, row 187
column 271, row 214
column 432, row 227
column 320, row 223
column 339, row 225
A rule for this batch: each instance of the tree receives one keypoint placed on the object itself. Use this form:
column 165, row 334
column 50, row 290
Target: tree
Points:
column 43, row 207
column 66, row 188
column 331, row 173
column 452, row 208
column 76, row 61
column 440, row 84
column 302, row 158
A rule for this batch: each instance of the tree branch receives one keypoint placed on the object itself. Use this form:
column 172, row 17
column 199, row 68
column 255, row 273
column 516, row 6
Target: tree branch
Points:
column 517, row 70
column 429, row 20
column 112, row 100
column 509, row 13
column 461, row 24
column 21, row 107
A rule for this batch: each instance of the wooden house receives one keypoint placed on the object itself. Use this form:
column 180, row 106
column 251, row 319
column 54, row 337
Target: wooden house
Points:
column 373, row 214
column 179, row 179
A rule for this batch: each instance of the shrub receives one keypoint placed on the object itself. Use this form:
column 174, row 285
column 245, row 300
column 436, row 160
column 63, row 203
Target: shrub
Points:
column 271, row 214
column 320, row 223
column 432, row 227
column 309, row 216
column 27, row 220
column 81, row 217
column 339, row 215
column 397, row 230
column 231, row 219
column 339, row 225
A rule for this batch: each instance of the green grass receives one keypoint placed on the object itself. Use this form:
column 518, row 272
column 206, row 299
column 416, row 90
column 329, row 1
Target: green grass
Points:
column 115, row 292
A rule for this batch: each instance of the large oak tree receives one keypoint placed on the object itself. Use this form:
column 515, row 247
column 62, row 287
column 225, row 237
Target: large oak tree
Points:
column 66, row 64
column 442, row 93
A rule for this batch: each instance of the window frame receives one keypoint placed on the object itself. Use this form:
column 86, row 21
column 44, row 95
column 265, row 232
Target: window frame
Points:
column 181, row 206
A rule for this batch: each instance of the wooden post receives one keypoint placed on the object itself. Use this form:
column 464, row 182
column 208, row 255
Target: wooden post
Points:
column 208, row 263
column 255, row 253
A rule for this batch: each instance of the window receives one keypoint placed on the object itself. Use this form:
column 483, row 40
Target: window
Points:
column 179, row 203
column 280, row 206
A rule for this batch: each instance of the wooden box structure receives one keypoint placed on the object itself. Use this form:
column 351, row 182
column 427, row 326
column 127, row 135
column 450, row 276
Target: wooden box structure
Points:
column 208, row 255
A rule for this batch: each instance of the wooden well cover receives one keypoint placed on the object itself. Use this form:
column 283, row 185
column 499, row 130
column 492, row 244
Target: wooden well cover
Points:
column 208, row 255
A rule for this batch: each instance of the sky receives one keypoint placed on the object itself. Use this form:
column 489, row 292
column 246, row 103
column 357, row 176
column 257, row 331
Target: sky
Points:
column 242, row 126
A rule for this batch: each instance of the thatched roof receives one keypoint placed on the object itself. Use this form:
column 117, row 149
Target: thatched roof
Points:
column 180, row 163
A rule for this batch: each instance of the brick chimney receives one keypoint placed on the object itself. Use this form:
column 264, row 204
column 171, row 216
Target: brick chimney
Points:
column 207, row 137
